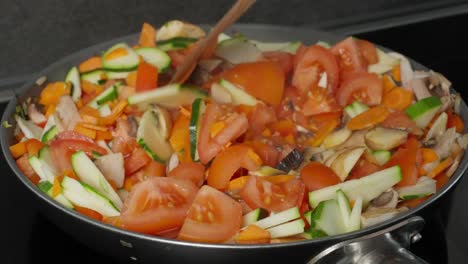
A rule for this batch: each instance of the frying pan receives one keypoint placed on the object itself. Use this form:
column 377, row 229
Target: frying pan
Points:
column 387, row 242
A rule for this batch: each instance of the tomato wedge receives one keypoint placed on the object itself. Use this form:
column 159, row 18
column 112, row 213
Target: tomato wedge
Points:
column 364, row 87
column 368, row 51
column 284, row 59
column 349, row 58
column 28, row 171
column 228, row 162
column 263, row 79
column 157, row 204
column 137, row 160
column 258, row 192
column 315, row 61
column 194, row 172
column 147, row 77
column 316, row 176
column 320, row 102
column 234, row 125
column 408, row 158
column 400, row 120
column 213, row 217
column 362, row 169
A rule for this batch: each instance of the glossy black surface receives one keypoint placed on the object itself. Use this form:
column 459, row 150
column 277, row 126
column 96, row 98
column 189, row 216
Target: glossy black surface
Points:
column 30, row 238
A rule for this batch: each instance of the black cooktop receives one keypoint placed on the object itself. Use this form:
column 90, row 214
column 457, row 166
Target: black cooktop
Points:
column 30, row 238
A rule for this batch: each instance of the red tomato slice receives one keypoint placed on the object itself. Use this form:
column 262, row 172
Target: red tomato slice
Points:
column 23, row 164
column 194, row 172
column 258, row 192
column 320, row 102
column 263, row 80
column 157, row 204
column 284, row 59
column 69, row 142
column 409, row 159
column 362, row 169
column 400, row 120
column 260, row 117
column 368, row 51
column 316, row 176
column 228, row 162
column 147, row 77
column 137, row 160
column 234, row 126
column 364, row 87
column 349, row 57
column 267, row 152
column 314, row 61
column 213, row 217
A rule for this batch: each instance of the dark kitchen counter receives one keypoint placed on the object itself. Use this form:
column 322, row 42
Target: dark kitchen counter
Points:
column 30, row 238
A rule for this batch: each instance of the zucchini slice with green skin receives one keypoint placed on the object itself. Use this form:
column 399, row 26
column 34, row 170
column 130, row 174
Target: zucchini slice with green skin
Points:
column 95, row 76
column 50, row 129
column 424, row 110
column 287, row 229
column 355, row 109
column 382, row 156
column 385, row 63
column 128, row 62
column 84, row 195
column 155, row 57
column 368, row 187
column 169, row 96
column 73, row 77
column 254, row 216
column 311, row 233
column 238, row 95
column 152, row 134
column 117, row 74
column 279, row 218
column 328, row 218
column 45, row 156
column 46, row 187
column 238, row 50
column 90, row 174
column 175, row 43
column 198, row 108
column 424, row 187
column 108, row 95
column 29, row 129
column 323, row 44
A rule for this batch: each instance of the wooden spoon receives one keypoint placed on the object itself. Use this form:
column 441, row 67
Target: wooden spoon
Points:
column 187, row 67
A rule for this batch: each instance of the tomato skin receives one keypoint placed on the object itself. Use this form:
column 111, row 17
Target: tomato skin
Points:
column 349, row 58
column 236, row 125
column 137, row 160
column 316, row 176
column 154, row 169
column 284, row 59
column 228, row 162
column 362, row 169
column 147, row 77
column 23, row 164
column 368, row 87
column 157, row 204
column 194, row 172
column 260, row 117
column 213, row 217
column 307, row 73
column 408, row 158
column 263, row 80
column 258, row 192
column 400, row 120
column 368, row 51
column 267, row 152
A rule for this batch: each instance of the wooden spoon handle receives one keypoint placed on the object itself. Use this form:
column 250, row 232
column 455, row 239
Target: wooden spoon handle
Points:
column 186, row 68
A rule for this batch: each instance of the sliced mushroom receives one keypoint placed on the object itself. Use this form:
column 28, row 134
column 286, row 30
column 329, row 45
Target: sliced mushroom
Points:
column 336, row 138
column 112, row 167
column 437, row 80
column 220, row 94
column 388, row 199
column 344, row 163
column 438, row 127
column 67, row 112
column 381, row 138
column 450, row 171
column 355, row 140
column 35, row 115
column 445, row 141
column 177, row 28
column 463, row 141
column 378, row 215
column 172, row 163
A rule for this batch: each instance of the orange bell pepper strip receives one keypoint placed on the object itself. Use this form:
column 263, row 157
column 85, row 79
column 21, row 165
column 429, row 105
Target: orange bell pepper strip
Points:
column 92, row 126
column 147, row 77
column 104, row 135
column 88, row 212
column 18, row 149
column 116, row 113
column 180, row 137
column 33, row 146
column 388, row 84
column 455, row 120
column 396, row 73
column 277, row 179
column 131, row 79
column 441, row 167
column 398, row 98
column 323, row 132
column 429, row 155
column 85, row 131
column 56, row 188
column 53, row 91
column 147, row 36
column 90, row 64
column 253, row 235
column 117, row 53
column 237, row 184
column 90, row 88
column 369, row 118
column 50, row 110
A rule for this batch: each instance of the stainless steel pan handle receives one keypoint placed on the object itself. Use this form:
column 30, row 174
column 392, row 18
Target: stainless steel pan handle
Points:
column 389, row 245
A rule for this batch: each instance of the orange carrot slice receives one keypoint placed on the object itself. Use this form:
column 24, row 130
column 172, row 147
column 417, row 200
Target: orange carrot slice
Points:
column 369, row 118
column 441, row 167
column 90, row 64
column 398, row 98
column 147, row 36
column 323, row 132
column 18, row 149
column 253, row 235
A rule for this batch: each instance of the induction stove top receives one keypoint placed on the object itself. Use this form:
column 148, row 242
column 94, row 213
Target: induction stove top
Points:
column 30, row 238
